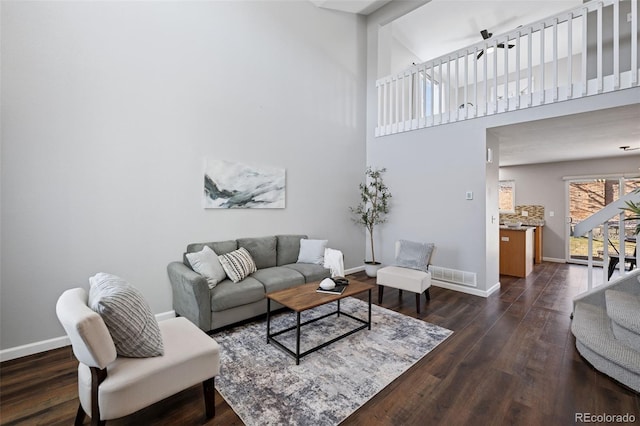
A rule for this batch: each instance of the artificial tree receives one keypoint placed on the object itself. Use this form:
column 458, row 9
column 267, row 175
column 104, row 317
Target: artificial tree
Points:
column 373, row 207
column 634, row 208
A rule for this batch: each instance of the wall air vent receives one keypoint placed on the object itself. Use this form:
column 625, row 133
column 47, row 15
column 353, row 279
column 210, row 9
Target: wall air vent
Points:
column 453, row 276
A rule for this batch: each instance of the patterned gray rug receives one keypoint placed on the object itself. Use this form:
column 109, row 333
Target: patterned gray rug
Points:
column 264, row 386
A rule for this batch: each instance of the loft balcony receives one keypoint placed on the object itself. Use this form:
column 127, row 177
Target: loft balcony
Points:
column 585, row 51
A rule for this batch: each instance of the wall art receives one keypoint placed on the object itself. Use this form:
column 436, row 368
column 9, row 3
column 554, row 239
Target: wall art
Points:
column 229, row 185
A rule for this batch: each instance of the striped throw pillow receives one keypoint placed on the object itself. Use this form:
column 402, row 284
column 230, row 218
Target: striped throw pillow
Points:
column 238, row 264
column 133, row 327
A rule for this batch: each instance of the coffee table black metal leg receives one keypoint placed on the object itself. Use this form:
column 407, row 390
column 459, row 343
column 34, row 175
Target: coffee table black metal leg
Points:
column 369, row 309
column 338, row 307
column 268, row 318
column 298, row 338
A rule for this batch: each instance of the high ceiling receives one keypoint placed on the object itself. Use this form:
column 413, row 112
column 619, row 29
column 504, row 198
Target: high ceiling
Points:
column 443, row 26
column 362, row 7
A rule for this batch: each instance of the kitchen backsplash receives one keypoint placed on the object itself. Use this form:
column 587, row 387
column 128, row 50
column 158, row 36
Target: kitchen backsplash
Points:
column 535, row 217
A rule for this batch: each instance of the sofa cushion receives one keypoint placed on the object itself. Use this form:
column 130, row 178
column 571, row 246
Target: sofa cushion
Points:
column 262, row 249
column 288, row 248
column 227, row 294
column 311, row 271
column 278, row 278
column 238, row 264
column 133, row 327
column 207, row 264
column 220, row 247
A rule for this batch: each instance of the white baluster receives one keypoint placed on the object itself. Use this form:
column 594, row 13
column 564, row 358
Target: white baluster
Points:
column 570, row 56
column 616, row 45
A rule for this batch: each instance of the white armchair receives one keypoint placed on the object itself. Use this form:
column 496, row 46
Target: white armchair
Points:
column 410, row 272
column 112, row 386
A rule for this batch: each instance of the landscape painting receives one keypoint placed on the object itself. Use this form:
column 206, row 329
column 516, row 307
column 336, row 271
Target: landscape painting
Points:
column 229, row 185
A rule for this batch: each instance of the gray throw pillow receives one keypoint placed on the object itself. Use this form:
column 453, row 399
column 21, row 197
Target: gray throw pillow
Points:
column 133, row 327
column 413, row 255
column 206, row 263
column 312, row 251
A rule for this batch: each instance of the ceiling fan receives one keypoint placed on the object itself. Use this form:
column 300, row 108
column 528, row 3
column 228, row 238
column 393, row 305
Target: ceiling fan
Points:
column 628, row 148
column 486, row 35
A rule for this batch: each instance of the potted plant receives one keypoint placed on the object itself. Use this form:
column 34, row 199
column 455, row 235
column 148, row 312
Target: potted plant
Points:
column 634, row 208
column 372, row 210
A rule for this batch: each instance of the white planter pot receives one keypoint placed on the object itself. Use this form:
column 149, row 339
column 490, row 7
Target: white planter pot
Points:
column 371, row 269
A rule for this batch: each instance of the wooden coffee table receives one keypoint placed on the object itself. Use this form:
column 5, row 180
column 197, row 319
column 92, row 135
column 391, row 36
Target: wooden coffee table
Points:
column 305, row 297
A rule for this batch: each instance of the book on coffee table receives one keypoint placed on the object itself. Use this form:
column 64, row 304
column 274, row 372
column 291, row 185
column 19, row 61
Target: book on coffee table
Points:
column 338, row 289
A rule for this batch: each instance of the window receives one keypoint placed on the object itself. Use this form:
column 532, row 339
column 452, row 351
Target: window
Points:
column 507, row 196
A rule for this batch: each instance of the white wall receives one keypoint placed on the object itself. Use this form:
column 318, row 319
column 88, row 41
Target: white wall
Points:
column 542, row 184
column 108, row 109
column 430, row 170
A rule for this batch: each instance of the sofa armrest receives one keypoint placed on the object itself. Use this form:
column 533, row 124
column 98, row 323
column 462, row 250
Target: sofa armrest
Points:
column 191, row 296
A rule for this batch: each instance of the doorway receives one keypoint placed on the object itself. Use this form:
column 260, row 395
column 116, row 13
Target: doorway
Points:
column 584, row 198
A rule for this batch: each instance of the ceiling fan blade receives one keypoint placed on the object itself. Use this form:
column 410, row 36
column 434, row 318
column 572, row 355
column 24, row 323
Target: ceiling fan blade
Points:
column 485, row 34
column 480, row 54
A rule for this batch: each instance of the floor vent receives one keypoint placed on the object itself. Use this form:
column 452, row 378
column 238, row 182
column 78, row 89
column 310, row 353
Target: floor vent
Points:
column 453, row 276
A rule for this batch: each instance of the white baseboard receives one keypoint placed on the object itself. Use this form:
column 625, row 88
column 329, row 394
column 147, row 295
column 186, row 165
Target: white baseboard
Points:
column 55, row 343
column 354, row 270
column 33, row 348
column 165, row 315
column 554, row 260
column 468, row 290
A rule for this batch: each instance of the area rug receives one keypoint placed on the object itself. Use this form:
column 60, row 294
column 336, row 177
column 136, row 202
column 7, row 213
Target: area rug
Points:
column 264, row 386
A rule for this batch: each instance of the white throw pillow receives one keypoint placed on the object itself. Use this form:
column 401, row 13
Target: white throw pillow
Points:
column 312, row 251
column 206, row 263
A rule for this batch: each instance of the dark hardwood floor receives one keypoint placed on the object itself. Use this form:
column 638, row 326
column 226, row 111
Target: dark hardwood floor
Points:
column 511, row 360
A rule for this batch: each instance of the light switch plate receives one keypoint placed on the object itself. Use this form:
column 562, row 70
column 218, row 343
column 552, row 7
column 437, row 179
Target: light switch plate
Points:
column 469, row 195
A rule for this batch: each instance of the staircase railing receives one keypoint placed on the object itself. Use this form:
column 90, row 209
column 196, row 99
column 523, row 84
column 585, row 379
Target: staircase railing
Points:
column 552, row 60
column 602, row 218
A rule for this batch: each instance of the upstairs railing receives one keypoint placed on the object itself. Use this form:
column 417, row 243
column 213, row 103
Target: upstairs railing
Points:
column 552, row 60
column 602, row 218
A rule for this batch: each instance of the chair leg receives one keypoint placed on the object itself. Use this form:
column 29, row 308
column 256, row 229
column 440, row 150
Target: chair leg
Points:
column 80, row 415
column 427, row 295
column 380, row 291
column 209, row 397
column 97, row 377
column 418, row 302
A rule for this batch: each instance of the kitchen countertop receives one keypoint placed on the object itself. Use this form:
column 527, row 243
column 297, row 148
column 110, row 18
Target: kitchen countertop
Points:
column 519, row 228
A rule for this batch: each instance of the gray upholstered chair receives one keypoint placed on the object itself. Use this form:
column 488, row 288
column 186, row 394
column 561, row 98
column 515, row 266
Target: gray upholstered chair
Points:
column 111, row 386
column 411, row 272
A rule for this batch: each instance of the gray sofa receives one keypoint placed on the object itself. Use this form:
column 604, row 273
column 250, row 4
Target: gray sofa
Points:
column 228, row 302
column 606, row 326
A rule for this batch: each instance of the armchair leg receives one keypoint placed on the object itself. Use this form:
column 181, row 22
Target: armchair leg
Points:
column 80, row 415
column 97, row 377
column 380, row 291
column 418, row 302
column 209, row 397
column 427, row 295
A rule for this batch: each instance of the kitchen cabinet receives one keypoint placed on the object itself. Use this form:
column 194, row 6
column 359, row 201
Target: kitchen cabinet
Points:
column 516, row 251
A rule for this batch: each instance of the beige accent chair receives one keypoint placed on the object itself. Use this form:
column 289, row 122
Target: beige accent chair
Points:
column 111, row 386
column 404, row 279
